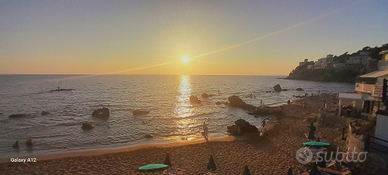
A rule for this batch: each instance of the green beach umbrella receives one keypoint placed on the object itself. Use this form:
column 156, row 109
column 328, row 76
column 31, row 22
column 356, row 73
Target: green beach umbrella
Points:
column 316, row 144
column 211, row 165
column 314, row 170
column 152, row 167
column 246, row 171
column 167, row 160
column 312, row 130
column 289, row 171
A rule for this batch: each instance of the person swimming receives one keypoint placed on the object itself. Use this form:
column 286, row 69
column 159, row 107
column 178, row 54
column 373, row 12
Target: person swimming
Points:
column 16, row 145
column 29, row 142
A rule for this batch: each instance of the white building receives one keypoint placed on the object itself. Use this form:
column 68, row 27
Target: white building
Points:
column 322, row 63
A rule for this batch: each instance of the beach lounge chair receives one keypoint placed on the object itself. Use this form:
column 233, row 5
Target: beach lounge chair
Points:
column 331, row 171
column 209, row 173
column 173, row 171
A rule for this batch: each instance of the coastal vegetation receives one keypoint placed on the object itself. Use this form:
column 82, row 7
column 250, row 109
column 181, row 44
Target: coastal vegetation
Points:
column 343, row 68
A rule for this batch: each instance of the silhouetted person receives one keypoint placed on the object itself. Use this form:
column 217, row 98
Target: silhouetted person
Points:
column 16, row 145
column 205, row 131
column 29, row 142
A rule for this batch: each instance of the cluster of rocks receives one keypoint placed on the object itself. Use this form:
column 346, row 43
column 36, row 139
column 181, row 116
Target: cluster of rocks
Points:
column 277, row 88
column 241, row 126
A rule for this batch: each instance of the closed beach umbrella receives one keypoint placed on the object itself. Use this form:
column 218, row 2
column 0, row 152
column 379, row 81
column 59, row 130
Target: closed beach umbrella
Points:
column 246, row 171
column 314, row 170
column 316, row 144
column 167, row 160
column 152, row 167
column 312, row 130
column 211, row 165
column 322, row 163
column 289, row 171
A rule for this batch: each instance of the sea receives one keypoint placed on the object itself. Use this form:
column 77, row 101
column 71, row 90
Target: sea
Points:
column 172, row 117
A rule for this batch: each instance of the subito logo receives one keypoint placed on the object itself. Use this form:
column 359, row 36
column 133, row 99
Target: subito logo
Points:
column 304, row 155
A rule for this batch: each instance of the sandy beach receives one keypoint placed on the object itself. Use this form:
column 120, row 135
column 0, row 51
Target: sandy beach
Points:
column 271, row 154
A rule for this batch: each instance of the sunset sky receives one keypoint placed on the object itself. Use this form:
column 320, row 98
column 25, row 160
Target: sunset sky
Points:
column 152, row 36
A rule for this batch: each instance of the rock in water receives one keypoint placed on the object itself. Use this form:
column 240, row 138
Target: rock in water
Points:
column 277, row 88
column 148, row 136
column 17, row 115
column 87, row 126
column 299, row 89
column 235, row 101
column 140, row 112
column 194, row 100
column 45, row 113
column 103, row 112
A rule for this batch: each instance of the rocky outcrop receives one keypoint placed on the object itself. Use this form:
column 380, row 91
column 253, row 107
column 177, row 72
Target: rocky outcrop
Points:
column 299, row 89
column 194, row 100
column 277, row 88
column 45, row 113
column 241, row 126
column 140, row 112
column 87, row 126
column 103, row 112
column 17, row 115
column 235, row 101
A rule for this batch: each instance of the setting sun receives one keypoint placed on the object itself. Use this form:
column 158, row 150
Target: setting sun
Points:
column 185, row 59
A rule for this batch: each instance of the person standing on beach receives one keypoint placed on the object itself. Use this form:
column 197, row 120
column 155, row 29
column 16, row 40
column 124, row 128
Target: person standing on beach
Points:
column 205, row 131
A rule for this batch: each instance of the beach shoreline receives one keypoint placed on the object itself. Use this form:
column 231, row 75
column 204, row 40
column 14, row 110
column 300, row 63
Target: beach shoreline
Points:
column 273, row 153
column 130, row 148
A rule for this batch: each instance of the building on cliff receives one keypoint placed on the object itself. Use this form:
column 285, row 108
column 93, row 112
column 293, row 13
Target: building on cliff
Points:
column 324, row 63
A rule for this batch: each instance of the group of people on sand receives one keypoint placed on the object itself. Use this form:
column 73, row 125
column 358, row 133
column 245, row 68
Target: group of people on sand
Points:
column 29, row 143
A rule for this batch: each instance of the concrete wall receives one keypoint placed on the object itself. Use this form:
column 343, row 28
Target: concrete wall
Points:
column 382, row 128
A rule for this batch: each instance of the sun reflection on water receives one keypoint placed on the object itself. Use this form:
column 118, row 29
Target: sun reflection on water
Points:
column 187, row 128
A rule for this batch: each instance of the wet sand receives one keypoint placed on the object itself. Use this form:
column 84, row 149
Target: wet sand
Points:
column 271, row 154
